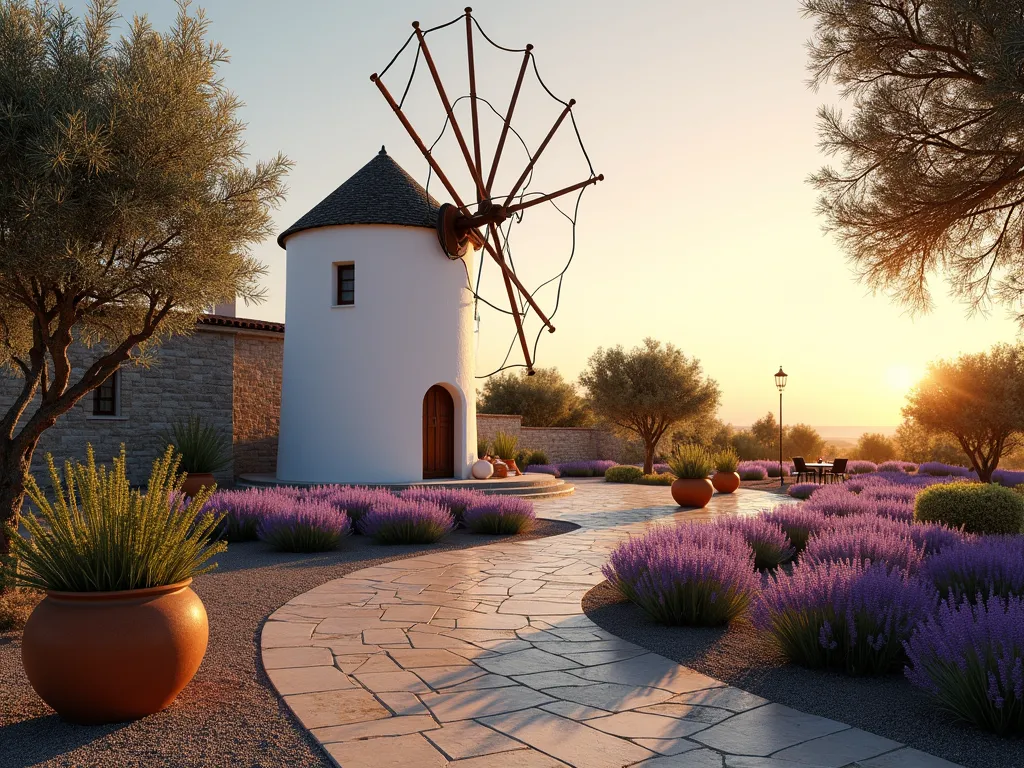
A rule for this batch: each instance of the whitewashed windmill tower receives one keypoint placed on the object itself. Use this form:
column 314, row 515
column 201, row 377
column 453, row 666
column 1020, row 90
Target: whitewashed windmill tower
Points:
column 379, row 370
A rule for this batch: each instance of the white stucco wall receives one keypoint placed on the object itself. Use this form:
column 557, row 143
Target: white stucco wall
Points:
column 355, row 376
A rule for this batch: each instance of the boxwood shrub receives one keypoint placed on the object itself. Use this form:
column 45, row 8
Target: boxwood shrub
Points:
column 657, row 478
column 623, row 474
column 975, row 507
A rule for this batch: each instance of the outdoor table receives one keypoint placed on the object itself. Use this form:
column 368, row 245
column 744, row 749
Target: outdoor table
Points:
column 819, row 467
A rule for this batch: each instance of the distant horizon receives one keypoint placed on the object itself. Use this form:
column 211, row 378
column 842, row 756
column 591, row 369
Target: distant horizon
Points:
column 843, row 432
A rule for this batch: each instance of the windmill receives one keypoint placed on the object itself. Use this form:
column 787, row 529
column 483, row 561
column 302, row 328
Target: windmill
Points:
column 474, row 218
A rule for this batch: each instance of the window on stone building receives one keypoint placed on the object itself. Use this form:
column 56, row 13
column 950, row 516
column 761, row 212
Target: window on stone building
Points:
column 106, row 397
column 345, row 280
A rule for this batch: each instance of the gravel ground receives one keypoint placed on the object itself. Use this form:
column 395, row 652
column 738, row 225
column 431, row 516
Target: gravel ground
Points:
column 739, row 655
column 228, row 715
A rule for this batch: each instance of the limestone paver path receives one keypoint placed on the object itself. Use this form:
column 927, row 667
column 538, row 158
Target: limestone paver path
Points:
column 483, row 658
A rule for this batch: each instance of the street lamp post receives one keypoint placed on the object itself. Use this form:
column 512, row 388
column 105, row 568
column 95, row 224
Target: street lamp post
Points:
column 780, row 382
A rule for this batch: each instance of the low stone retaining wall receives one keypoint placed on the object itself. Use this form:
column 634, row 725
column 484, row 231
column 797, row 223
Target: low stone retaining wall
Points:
column 559, row 443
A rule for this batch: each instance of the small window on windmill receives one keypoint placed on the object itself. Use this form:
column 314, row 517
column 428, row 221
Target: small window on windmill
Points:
column 345, row 285
column 107, row 395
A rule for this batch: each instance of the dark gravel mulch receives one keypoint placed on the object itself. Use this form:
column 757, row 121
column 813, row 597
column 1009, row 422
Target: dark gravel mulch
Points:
column 228, row 715
column 741, row 656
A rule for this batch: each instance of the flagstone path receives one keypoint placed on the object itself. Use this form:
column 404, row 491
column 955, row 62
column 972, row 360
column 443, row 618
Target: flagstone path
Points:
column 483, row 658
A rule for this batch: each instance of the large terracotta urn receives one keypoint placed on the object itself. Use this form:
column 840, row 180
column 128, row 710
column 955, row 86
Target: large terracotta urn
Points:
column 725, row 482
column 482, row 469
column 196, row 481
column 692, row 493
column 107, row 657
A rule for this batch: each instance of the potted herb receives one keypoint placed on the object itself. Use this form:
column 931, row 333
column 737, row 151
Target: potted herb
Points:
column 726, row 479
column 505, row 447
column 203, row 450
column 691, row 464
column 119, row 632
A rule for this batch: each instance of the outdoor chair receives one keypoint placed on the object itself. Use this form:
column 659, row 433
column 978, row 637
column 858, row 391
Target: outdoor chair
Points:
column 801, row 469
column 838, row 470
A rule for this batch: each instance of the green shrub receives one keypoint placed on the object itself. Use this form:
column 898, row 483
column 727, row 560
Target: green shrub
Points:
column 690, row 462
column 102, row 535
column 505, row 445
column 975, row 507
column 623, row 474
column 657, row 478
column 202, row 447
column 482, row 448
column 727, row 461
column 536, row 457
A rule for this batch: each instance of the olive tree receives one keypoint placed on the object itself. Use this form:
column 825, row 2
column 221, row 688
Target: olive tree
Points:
column 931, row 175
column 545, row 399
column 126, row 205
column 647, row 390
column 978, row 400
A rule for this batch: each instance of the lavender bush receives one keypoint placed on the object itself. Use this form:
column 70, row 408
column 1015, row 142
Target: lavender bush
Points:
column 401, row 521
column 767, row 540
column 971, row 659
column 751, row 470
column 977, row 570
column 844, row 615
column 353, row 500
column 455, row 500
column 690, row 574
column 304, row 526
column 802, row 490
column 896, row 466
column 243, row 510
column 938, row 469
column 892, row 548
column 1008, row 478
column 798, row 522
column 861, row 467
column 837, row 500
column 499, row 515
column 594, row 468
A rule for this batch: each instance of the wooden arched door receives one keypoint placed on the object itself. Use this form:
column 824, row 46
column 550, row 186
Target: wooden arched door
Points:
column 438, row 433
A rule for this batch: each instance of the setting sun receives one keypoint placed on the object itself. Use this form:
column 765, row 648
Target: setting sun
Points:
column 901, row 377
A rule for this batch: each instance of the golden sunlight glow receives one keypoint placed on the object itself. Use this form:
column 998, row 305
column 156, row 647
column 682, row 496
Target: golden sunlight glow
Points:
column 901, row 377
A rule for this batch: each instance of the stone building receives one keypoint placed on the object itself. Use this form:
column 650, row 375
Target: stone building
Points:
column 228, row 372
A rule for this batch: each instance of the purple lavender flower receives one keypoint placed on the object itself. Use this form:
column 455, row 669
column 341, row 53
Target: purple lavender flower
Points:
column 455, row 500
column 353, row 500
column 838, row 500
column 861, row 467
column 798, row 522
column 687, row 574
column 891, row 548
column 594, row 468
column 304, row 526
column 499, row 515
column 244, row 509
column 803, row 490
column 844, row 615
column 752, row 470
column 767, row 540
column 979, row 569
column 970, row 658
column 1008, row 478
column 401, row 521
column 939, row 469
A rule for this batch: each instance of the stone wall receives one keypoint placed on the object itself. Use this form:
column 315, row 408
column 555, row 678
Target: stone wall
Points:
column 257, row 401
column 559, row 443
column 190, row 374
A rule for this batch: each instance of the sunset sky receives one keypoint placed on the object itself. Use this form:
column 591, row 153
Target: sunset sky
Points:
column 704, row 233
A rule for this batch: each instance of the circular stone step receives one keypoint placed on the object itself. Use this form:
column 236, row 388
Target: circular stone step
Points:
column 531, row 485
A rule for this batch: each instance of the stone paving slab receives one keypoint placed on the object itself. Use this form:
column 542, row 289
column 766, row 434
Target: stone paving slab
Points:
column 484, row 658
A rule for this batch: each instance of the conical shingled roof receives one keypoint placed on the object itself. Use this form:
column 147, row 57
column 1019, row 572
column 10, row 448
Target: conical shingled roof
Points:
column 381, row 192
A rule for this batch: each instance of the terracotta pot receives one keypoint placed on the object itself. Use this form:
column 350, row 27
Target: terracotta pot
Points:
column 692, row 493
column 512, row 468
column 500, row 469
column 196, row 481
column 725, row 482
column 106, row 657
